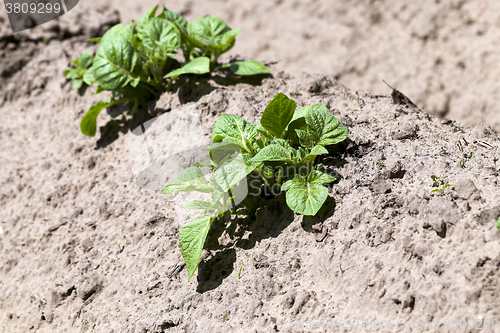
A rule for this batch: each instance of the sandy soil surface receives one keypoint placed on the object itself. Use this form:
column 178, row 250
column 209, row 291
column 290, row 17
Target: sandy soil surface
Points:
column 407, row 256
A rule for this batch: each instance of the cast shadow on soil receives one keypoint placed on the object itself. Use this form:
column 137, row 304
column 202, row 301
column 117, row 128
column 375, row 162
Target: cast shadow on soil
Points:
column 189, row 89
column 111, row 131
column 212, row 272
column 326, row 211
column 245, row 233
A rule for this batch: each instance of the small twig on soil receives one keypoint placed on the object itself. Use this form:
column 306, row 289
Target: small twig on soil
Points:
column 87, row 302
column 484, row 144
column 341, row 270
column 53, row 228
column 481, row 12
column 177, row 269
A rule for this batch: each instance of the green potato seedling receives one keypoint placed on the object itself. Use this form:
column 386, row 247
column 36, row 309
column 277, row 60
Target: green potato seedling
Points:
column 136, row 62
column 278, row 153
column 82, row 65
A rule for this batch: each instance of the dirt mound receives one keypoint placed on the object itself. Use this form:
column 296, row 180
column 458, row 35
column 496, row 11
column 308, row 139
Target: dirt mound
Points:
column 383, row 249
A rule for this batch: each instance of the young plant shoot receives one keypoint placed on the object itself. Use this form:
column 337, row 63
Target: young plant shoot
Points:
column 278, row 153
column 135, row 62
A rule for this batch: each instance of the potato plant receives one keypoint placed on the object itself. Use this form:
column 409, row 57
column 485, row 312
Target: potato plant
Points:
column 280, row 151
column 136, row 62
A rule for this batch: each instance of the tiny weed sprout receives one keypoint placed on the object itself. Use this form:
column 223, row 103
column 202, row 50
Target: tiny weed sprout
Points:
column 498, row 223
column 250, row 160
column 439, row 184
column 82, row 65
column 241, row 269
column 358, row 99
column 136, row 62
column 465, row 156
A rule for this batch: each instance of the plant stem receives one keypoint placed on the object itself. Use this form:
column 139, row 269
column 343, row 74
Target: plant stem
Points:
column 269, row 180
column 157, row 86
column 249, row 203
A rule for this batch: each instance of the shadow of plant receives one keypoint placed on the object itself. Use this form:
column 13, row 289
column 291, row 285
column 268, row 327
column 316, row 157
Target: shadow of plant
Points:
column 245, row 233
column 212, row 272
column 190, row 88
column 323, row 214
column 110, row 132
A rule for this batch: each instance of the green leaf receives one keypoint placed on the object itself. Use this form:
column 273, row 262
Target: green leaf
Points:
column 89, row 77
column 161, row 37
column 231, row 171
column 202, row 205
column 177, row 19
column 498, row 223
column 143, row 20
column 85, row 60
column 217, row 194
column 77, row 83
column 88, row 123
column 299, row 155
column 116, row 31
column 295, row 124
column 82, row 64
column 231, row 128
column 192, row 239
column 318, row 177
column 212, row 31
column 199, row 65
column 99, row 90
column 278, row 115
column 306, row 195
column 220, row 150
column 211, row 165
column 305, row 139
column 227, row 40
column 273, row 152
column 281, row 142
column 96, row 40
column 248, row 67
column 114, row 64
column 190, row 179
column 264, row 134
column 323, row 128
column 318, row 150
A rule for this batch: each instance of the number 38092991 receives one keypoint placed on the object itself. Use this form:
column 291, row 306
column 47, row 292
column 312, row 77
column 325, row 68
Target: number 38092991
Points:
column 39, row 8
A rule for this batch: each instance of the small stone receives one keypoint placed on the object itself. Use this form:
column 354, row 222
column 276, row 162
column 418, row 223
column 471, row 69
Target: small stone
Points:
column 300, row 301
column 60, row 293
column 381, row 187
column 289, row 299
column 442, row 209
column 465, row 189
column 439, row 227
column 76, row 212
column 405, row 132
column 88, row 287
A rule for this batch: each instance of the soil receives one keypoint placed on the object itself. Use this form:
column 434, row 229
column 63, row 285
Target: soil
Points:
column 83, row 248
